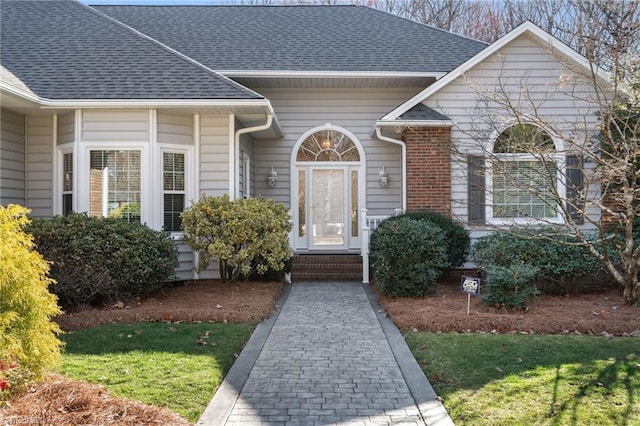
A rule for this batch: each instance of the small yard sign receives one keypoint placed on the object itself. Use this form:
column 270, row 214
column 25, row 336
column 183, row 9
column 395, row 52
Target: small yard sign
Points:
column 469, row 285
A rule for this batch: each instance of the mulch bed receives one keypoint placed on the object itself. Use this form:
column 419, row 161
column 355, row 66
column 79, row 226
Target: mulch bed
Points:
column 189, row 301
column 592, row 314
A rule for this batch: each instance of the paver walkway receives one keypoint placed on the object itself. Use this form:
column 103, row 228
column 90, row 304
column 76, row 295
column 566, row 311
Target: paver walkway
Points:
column 327, row 361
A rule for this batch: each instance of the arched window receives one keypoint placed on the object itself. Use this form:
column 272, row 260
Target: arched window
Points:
column 525, row 174
column 328, row 145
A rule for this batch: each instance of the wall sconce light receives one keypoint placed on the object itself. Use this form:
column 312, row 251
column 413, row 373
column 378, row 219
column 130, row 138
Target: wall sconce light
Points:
column 383, row 177
column 272, row 177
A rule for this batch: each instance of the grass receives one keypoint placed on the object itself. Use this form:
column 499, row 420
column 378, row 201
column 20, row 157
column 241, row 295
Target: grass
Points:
column 533, row 379
column 178, row 366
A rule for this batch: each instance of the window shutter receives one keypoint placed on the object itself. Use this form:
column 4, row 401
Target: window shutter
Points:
column 476, row 189
column 575, row 187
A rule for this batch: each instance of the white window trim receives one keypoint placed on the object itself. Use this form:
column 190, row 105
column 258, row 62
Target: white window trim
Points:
column 189, row 179
column 58, row 184
column 83, row 191
column 560, row 162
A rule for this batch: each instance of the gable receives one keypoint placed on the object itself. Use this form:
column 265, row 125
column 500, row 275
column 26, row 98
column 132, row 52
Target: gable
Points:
column 523, row 76
column 527, row 54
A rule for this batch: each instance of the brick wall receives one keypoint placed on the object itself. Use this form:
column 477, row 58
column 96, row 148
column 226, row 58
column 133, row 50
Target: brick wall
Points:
column 428, row 169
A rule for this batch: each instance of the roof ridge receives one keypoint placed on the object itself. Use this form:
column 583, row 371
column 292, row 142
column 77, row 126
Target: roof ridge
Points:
column 174, row 52
column 425, row 25
column 223, row 5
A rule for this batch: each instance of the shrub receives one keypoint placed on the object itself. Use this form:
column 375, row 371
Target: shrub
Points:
column 97, row 260
column 510, row 286
column 456, row 236
column 28, row 342
column 407, row 256
column 244, row 236
column 563, row 267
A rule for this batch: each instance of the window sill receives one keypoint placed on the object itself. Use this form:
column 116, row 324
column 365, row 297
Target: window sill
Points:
column 525, row 221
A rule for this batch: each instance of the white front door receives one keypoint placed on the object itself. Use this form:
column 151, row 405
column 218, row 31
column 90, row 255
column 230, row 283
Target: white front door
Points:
column 328, row 209
column 327, row 167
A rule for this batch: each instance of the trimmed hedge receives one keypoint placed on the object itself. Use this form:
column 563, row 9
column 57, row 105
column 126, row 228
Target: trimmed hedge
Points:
column 407, row 256
column 562, row 266
column 100, row 260
column 456, row 236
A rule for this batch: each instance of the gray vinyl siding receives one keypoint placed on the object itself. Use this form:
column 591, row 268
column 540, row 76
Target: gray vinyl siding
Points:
column 185, row 269
column 214, row 164
column 39, row 161
column 356, row 110
column 214, row 154
column 246, row 147
column 175, row 128
column 532, row 75
column 66, row 128
column 12, row 158
column 115, row 125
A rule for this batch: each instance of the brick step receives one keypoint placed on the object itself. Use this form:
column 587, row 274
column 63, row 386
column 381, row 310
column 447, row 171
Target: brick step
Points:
column 326, row 267
column 330, row 258
column 326, row 276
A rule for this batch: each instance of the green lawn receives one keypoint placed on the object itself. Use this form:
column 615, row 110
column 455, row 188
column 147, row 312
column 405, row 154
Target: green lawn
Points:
column 533, row 379
column 177, row 366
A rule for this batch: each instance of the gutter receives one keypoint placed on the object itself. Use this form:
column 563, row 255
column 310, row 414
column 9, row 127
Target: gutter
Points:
column 234, row 176
column 380, row 136
column 46, row 103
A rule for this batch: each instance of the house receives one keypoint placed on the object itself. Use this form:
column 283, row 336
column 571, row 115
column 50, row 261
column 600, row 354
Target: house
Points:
column 136, row 110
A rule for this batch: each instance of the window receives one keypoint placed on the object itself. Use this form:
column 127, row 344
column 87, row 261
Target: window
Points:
column 173, row 178
column 115, row 184
column 524, row 174
column 67, row 183
column 328, row 145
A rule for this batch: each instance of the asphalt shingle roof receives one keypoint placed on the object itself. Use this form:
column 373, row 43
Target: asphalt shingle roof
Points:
column 63, row 50
column 421, row 112
column 299, row 38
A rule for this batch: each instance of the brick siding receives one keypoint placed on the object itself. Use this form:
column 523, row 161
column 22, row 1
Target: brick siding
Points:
column 428, row 169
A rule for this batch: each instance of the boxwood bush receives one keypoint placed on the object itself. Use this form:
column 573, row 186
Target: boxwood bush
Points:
column 98, row 260
column 562, row 266
column 456, row 237
column 407, row 256
column 245, row 236
column 510, row 286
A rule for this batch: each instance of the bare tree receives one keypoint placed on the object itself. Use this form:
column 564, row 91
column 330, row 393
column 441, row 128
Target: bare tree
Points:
column 580, row 175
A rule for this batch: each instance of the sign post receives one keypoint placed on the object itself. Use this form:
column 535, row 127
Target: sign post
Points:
column 469, row 285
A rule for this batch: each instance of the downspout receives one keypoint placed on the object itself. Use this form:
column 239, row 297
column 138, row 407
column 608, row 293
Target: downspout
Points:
column 236, row 149
column 380, row 136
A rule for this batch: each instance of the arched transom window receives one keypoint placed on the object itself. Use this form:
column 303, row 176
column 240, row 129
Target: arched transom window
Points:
column 525, row 174
column 328, row 145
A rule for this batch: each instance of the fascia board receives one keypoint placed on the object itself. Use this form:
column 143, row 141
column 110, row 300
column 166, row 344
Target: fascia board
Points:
column 152, row 103
column 133, row 103
column 415, row 123
column 327, row 74
column 526, row 27
column 23, row 94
